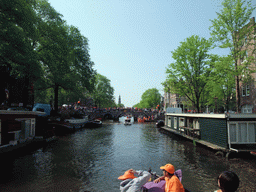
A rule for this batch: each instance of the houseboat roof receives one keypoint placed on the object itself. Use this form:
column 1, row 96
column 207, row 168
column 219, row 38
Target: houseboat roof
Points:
column 217, row 116
column 5, row 112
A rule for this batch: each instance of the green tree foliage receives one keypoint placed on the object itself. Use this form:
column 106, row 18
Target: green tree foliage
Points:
column 189, row 74
column 17, row 30
column 103, row 93
column 149, row 99
column 80, row 59
column 17, row 34
column 222, row 83
column 231, row 30
column 63, row 53
column 53, row 49
column 121, row 105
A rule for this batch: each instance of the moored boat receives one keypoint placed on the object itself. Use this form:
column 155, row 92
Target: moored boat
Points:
column 160, row 123
column 93, row 124
column 68, row 125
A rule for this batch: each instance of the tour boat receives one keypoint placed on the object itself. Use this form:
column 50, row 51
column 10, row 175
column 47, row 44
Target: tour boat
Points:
column 127, row 121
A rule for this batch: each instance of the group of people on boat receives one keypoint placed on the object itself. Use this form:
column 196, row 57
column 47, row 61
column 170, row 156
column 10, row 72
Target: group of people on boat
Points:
column 145, row 119
column 139, row 181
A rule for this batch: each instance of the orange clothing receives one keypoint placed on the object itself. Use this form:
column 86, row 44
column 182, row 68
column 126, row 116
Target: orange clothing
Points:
column 173, row 184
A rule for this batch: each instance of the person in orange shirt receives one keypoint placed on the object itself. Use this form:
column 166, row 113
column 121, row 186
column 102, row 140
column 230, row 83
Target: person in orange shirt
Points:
column 172, row 184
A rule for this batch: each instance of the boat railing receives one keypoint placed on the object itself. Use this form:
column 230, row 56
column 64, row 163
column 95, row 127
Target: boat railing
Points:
column 192, row 132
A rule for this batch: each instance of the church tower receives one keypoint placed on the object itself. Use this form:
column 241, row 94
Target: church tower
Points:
column 119, row 100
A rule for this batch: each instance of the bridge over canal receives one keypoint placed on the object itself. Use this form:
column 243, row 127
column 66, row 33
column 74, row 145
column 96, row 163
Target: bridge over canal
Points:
column 115, row 114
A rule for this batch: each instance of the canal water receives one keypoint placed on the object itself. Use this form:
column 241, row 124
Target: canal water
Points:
column 92, row 159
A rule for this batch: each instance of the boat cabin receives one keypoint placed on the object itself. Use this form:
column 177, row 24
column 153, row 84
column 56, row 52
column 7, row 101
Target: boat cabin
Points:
column 17, row 126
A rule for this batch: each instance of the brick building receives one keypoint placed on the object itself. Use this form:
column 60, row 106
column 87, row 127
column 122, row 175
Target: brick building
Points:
column 173, row 100
column 247, row 85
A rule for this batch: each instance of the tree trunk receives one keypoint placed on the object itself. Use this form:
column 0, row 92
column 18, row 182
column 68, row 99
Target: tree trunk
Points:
column 25, row 92
column 197, row 105
column 56, row 95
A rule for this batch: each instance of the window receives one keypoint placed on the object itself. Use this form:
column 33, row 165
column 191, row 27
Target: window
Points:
column 196, row 124
column 242, row 132
column 247, row 109
column 175, row 122
column 190, row 123
column 232, row 133
column 169, row 123
column 245, row 90
column 182, row 122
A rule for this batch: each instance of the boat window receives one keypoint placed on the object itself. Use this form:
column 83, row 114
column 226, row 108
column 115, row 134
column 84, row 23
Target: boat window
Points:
column 169, row 123
column 181, row 122
column 190, row 122
column 242, row 132
column 252, row 132
column 196, row 124
column 232, row 132
column 175, row 122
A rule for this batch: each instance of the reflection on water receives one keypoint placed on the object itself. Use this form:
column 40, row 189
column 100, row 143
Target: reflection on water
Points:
column 93, row 159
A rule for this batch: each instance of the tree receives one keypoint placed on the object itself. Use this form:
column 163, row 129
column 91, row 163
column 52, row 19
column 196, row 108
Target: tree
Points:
column 230, row 30
column 120, row 105
column 18, row 32
column 149, row 99
column 103, row 93
column 222, row 83
column 189, row 74
column 63, row 53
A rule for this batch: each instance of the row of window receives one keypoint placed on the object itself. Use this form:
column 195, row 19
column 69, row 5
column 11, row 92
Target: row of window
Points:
column 191, row 122
column 242, row 132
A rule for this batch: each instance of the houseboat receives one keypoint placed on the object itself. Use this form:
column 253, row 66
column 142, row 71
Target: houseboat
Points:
column 18, row 130
column 224, row 133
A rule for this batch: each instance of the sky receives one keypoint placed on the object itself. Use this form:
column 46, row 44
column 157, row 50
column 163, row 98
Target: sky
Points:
column 131, row 41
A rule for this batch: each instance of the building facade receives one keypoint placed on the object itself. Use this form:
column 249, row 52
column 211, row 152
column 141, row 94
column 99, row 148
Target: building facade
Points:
column 247, row 85
column 173, row 100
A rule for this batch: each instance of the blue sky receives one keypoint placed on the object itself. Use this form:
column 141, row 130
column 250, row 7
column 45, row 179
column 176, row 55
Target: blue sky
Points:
column 131, row 40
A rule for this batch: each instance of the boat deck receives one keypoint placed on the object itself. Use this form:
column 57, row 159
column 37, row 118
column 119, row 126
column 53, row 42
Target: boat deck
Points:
column 205, row 143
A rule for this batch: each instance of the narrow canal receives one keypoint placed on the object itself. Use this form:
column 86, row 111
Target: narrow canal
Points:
column 92, row 159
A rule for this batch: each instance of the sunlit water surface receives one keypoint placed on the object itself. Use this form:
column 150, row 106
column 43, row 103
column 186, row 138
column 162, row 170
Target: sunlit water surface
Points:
column 92, row 160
